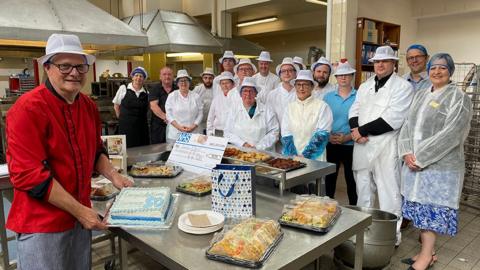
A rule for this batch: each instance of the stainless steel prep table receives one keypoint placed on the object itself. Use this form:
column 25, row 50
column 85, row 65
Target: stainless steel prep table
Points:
column 315, row 170
column 178, row 250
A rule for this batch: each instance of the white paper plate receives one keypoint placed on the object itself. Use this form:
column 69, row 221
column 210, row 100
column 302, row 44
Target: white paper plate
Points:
column 214, row 217
column 193, row 230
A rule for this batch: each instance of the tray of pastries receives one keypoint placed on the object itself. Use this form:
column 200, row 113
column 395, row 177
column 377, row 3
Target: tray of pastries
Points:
column 248, row 243
column 154, row 169
column 311, row 212
column 199, row 186
column 102, row 189
column 252, row 157
column 286, row 164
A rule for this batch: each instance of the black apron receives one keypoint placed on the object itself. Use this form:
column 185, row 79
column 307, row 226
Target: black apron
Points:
column 133, row 118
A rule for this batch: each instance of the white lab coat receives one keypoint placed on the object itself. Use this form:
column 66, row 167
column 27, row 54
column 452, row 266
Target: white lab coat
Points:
column 303, row 118
column 261, row 130
column 184, row 110
column 376, row 162
column 217, row 116
column 206, row 95
column 435, row 132
column 234, row 97
column 321, row 92
column 266, row 84
column 278, row 99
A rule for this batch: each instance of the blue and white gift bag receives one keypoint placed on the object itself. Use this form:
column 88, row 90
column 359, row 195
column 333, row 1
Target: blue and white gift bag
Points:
column 233, row 191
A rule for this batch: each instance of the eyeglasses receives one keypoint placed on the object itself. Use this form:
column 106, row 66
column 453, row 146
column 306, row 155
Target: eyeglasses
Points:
column 248, row 91
column 245, row 69
column 67, row 68
column 291, row 70
column 415, row 58
column 183, row 80
column 303, row 85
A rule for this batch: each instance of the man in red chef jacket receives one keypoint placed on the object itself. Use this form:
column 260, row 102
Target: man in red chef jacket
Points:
column 54, row 146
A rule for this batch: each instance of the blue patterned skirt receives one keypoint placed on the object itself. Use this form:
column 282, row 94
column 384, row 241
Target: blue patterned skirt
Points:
column 440, row 219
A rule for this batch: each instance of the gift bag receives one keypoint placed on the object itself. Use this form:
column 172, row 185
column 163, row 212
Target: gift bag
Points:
column 233, row 191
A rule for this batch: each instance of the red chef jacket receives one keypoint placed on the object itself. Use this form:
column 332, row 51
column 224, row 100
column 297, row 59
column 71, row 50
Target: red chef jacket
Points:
column 47, row 137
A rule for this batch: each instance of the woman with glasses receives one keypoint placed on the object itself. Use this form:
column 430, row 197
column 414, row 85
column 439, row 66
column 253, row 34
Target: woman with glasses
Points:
column 307, row 121
column 131, row 107
column 251, row 124
column 431, row 146
column 184, row 108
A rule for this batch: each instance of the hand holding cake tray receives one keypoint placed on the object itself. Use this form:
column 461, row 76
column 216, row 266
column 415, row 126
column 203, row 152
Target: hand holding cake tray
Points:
column 144, row 208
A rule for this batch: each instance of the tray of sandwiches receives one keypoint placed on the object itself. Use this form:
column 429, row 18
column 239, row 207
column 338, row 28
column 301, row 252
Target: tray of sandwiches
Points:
column 311, row 212
column 251, row 156
column 154, row 169
column 248, row 243
column 198, row 186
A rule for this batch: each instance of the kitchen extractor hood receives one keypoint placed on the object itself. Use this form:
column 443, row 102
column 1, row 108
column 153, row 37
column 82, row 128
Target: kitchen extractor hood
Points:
column 170, row 31
column 240, row 46
column 35, row 20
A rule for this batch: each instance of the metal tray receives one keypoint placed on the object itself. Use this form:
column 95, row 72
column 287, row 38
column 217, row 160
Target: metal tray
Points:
column 246, row 263
column 301, row 165
column 176, row 170
column 312, row 228
column 104, row 198
column 198, row 194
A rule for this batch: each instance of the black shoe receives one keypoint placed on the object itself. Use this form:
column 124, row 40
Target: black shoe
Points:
column 405, row 223
column 408, row 261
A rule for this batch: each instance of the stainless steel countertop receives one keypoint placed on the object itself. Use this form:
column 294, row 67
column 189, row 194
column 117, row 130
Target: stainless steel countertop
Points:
column 313, row 171
column 178, row 250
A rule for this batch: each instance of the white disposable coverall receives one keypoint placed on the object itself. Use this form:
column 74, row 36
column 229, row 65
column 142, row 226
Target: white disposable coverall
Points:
column 435, row 131
column 376, row 162
column 261, row 130
column 184, row 110
column 303, row 118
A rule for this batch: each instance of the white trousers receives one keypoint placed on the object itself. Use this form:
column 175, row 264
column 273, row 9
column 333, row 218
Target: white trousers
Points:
column 384, row 178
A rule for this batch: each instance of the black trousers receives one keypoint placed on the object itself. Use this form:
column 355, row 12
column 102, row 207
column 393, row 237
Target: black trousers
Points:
column 158, row 131
column 341, row 154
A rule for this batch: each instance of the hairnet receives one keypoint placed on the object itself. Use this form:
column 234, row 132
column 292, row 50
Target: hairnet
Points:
column 139, row 70
column 439, row 56
column 418, row 47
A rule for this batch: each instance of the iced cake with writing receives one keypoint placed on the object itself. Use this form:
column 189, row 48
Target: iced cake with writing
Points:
column 141, row 206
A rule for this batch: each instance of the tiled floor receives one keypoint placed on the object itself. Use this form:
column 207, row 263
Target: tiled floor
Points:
column 461, row 252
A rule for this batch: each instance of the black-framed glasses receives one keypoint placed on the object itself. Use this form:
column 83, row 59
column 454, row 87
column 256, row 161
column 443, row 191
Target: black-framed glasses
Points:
column 67, row 68
column 291, row 70
column 183, row 80
column 303, row 85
